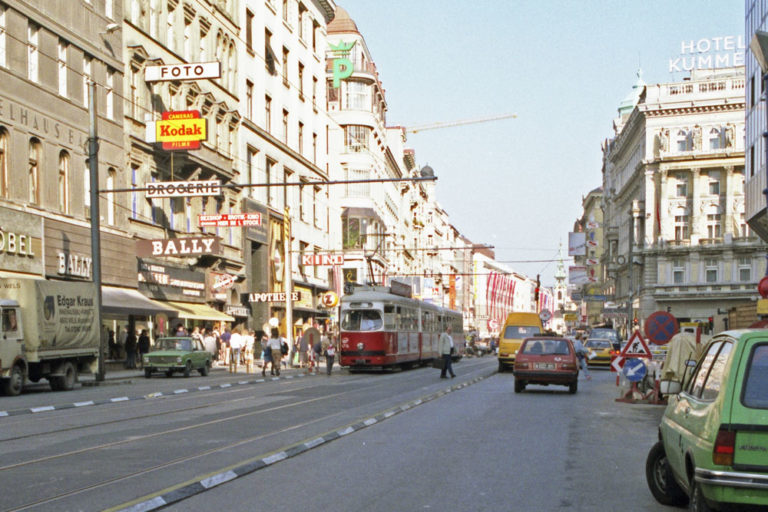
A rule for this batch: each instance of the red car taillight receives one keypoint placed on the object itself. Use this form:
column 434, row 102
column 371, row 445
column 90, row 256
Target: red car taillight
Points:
column 722, row 453
column 568, row 366
column 521, row 366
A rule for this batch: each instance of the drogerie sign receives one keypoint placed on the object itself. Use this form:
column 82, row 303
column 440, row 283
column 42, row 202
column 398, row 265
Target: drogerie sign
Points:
column 159, row 189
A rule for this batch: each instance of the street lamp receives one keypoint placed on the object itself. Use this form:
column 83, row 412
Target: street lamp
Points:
column 759, row 47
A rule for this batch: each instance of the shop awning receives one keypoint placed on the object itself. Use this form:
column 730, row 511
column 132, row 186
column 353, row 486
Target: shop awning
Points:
column 19, row 275
column 199, row 312
column 127, row 301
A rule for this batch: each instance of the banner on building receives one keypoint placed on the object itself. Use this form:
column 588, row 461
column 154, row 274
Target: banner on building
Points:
column 577, row 244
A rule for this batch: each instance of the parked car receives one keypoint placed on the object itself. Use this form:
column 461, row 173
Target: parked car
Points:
column 177, row 354
column 600, row 351
column 545, row 361
column 713, row 437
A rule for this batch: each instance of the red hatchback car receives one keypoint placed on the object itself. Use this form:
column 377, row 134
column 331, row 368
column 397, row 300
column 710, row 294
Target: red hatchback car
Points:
column 545, row 361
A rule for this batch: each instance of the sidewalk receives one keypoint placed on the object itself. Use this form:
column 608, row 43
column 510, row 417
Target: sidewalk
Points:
column 115, row 371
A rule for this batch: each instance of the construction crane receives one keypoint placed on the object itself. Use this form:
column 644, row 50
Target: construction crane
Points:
column 448, row 124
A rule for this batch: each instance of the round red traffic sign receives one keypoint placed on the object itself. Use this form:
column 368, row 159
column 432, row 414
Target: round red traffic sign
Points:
column 762, row 287
column 493, row 325
column 660, row 327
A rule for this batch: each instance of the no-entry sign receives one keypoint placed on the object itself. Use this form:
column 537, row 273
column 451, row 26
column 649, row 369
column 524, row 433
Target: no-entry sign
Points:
column 660, row 327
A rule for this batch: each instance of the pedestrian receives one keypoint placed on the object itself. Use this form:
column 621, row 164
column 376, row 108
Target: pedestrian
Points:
column 180, row 330
column 329, row 349
column 581, row 355
column 225, row 337
column 317, row 351
column 235, row 345
column 303, row 349
column 294, row 349
column 143, row 346
column 266, row 356
column 130, row 350
column 113, row 351
column 196, row 334
column 209, row 341
column 283, row 350
column 445, row 348
column 275, row 345
column 249, row 347
column 121, row 342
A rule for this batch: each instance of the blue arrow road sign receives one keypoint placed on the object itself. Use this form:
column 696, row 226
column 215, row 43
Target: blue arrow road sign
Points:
column 634, row 370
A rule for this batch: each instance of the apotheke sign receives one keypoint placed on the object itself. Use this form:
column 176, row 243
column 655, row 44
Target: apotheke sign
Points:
column 191, row 71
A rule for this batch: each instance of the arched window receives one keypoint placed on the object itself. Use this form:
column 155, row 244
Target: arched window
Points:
column 3, row 162
column 232, row 65
column 62, row 191
column 33, row 179
column 111, row 179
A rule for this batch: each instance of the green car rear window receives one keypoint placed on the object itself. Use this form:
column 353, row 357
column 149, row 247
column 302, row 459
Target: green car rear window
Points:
column 755, row 393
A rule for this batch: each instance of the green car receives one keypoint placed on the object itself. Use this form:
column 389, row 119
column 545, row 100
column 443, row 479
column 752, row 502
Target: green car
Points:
column 178, row 354
column 713, row 438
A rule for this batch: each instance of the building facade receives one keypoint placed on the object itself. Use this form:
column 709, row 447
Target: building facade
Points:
column 673, row 177
column 755, row 124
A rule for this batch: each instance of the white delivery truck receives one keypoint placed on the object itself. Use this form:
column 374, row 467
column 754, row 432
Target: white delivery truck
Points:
column 48, row 330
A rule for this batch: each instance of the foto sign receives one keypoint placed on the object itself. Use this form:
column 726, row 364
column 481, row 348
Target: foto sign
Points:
column 322, row 259
column 181, row 130
column 191, row 71
column 183, row 188
column 229, row 220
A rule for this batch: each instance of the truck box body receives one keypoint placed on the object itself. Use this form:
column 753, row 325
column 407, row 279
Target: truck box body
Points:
column 46, row 324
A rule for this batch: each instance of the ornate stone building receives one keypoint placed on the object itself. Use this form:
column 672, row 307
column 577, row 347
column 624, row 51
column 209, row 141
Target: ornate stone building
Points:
column 673, row 178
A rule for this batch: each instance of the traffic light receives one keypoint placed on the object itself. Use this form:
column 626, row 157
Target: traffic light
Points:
column 711, row 322
column 536, row 290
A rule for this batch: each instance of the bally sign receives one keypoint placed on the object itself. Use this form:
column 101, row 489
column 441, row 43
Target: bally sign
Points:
column 178, row 247
column 181, row 130
column 183, row 188
column 322, row 259
column 191, row 71
column 272, row 297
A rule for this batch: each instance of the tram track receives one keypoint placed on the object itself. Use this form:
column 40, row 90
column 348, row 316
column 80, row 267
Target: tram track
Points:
column 340, row 397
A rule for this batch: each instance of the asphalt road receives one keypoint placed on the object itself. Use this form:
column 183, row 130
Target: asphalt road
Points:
column 393, row 441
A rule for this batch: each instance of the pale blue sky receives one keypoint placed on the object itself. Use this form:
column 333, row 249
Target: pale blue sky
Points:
column 562, row 66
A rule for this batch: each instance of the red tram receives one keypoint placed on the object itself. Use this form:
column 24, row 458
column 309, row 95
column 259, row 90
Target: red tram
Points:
column 380, row 328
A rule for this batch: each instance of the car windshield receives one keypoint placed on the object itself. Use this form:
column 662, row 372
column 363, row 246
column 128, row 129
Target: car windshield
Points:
column 174, row 344
column 599, row 344
column 361, row 320
column 521, row 331
column 756, row 384
column 608, row 334
column 546, row 347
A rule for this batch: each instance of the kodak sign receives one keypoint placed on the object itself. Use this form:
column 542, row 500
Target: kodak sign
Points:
column 181, row 130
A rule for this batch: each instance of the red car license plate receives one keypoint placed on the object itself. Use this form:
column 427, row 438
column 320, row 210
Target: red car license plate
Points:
column 544, row 366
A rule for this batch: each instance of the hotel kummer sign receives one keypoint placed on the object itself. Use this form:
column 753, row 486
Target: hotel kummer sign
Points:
column 711, row 53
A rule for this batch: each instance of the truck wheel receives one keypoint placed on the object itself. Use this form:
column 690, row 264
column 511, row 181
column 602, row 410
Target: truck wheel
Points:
column 660, row 480
column 188, row 369
column 147, row 373
column 67, row 382
column 205, row 369
column 12, row 386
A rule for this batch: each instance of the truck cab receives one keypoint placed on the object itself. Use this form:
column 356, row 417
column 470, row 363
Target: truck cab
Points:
column 11, row 344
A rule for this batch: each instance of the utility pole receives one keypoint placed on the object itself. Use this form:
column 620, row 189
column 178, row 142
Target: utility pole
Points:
column 93, row 168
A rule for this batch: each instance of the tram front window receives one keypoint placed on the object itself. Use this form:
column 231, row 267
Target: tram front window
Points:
column 356, row 320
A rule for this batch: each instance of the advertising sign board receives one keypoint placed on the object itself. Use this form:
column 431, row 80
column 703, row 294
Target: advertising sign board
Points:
column 229, row 220
column 190, row 71
column 183, row 188
column 181, row 130
column 322, row 259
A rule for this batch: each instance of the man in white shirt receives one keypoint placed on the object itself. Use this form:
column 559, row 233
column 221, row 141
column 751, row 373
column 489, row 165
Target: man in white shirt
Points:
column 445, row 348
column 235, row 344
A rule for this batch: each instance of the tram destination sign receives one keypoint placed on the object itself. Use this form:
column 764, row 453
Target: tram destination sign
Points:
column 229, row 220
column 191, row 71
column 158, row 189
